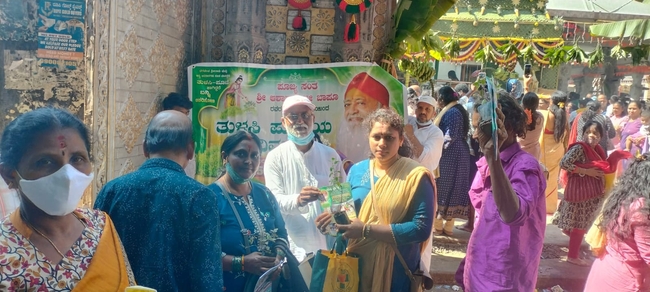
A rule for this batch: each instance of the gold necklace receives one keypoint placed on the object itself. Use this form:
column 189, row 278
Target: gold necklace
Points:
column 47, row 238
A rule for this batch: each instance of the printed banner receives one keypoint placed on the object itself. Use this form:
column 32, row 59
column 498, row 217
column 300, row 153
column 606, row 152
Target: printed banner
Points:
column 234, row 96
column 61, row 30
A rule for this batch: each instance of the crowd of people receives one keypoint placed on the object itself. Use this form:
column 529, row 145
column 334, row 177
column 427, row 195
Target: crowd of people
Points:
column 160, row 228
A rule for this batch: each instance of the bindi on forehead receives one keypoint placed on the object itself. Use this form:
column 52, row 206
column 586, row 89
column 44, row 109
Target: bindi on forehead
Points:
column 62, row 143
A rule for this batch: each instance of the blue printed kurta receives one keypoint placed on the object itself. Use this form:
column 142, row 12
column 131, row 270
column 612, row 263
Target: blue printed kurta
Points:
column 261, row 213
column 454, row 181
column 166, row 221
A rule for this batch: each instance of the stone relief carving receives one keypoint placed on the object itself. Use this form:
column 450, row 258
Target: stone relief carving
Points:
column 100, row 119
column 243, row 55
column 178, row 59
column 298, row 43
column 259, row 56
column 218, row 29
column 129, row 123
column 181, row 12
column 128, row 167
column 323, row 21
column 380, row 31
column 230, row 54
column 91, row 28
column 134, row 7
column 276, row 18
column 319, row 59
column 129, row 56
column 159, row 60
column 274, row 59
column 160, row 8
column 367, row 56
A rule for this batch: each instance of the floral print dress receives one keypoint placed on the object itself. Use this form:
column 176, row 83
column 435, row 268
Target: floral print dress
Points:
column 24, row 268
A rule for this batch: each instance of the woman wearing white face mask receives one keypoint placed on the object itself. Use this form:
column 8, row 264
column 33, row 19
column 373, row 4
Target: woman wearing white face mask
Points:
column 47, row 242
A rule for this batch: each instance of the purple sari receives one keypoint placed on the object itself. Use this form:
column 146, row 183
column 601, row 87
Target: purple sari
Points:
column 630, row 129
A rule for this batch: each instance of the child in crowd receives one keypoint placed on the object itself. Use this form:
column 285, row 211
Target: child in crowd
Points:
column 639, row 141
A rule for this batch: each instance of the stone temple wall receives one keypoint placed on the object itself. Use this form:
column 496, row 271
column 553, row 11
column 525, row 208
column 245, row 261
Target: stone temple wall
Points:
column 260, row 31
column 152, row 46
column 137, row 51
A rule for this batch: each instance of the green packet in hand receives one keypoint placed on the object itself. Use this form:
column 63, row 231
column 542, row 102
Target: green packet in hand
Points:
column 338, row 198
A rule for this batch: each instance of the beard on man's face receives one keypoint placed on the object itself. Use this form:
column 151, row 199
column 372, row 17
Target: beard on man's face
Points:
column 299, row 130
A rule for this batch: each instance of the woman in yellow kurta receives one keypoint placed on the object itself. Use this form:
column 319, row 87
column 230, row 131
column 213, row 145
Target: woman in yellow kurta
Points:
column 553, row 144
column 47, row 244
column 395, row 199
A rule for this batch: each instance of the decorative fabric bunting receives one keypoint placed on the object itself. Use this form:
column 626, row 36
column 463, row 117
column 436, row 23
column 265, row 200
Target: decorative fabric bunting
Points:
column 353, row 6
column 300, row 4
column 299, row 22
column 351, row 31
column 470, row 46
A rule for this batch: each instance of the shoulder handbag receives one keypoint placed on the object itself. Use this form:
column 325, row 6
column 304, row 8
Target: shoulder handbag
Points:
column 292, row 280
column 251, row 280
column 417, row 278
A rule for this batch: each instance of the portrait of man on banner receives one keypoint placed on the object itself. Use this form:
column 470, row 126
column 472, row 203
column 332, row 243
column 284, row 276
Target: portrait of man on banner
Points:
column 364, row 94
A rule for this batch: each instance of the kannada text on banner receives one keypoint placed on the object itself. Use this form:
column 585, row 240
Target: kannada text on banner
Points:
column 229, row 97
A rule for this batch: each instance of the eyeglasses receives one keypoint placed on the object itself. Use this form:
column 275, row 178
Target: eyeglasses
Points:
column 295, row 117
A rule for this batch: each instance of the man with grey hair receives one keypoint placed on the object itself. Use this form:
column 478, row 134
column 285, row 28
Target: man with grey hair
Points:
column 463, row 90
column 168, row 222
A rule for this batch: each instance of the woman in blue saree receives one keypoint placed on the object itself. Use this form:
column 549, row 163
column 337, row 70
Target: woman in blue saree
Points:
column 258, row 245
column 396, row 209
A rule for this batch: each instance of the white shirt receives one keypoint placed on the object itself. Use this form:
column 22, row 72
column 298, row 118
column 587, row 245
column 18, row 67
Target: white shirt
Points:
column 609, row 111
column 190, row 169
column 8, row 200
column 432, row 139
column 463, row 100
column 285, row 174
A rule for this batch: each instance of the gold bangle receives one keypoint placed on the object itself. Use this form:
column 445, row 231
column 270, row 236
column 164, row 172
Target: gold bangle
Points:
column 242, row 263
column 366, row 231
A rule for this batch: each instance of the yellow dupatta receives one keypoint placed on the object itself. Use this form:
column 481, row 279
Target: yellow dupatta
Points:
column 109, row 269
column 436, row 121
column 394, row 194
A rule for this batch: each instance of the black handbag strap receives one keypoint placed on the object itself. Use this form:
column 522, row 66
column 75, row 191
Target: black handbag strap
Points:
column 245, row 232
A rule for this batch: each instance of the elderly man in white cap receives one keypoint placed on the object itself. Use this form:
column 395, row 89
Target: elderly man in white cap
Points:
column 426, row 138
column 294, row 171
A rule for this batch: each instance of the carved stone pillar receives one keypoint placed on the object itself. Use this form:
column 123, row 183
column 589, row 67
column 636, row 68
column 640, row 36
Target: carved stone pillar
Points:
column 374, row 33
column 565, row 75
column 636, row 90
column 244, row 31
column 610, row 87
column 233, row 31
